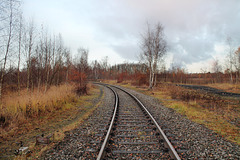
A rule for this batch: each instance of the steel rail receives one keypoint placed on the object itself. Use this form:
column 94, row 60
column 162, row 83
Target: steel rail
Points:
column 168, row 144
column 105, row 142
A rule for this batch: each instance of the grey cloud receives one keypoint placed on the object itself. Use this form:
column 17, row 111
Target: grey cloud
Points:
column 198, row 36
column 129, row 52
column 198, row 25
column 192, row 28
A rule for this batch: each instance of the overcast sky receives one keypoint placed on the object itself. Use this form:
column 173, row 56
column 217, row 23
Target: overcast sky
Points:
column 196, row 30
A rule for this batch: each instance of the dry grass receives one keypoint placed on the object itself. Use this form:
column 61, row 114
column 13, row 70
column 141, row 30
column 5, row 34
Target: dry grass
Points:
column 216, row 122
column 66, row 113
column 76, row 118
column 215, row 112
column 19, row 109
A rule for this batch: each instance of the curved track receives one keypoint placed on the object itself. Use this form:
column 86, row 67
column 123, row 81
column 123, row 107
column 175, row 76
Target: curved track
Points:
column 133, row 133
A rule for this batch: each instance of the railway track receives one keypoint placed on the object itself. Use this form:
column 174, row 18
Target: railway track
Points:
column 133, row 133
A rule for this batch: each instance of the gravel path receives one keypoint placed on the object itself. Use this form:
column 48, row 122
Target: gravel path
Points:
column 193, row 141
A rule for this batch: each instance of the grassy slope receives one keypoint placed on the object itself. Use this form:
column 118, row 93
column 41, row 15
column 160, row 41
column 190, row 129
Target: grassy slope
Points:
column 216, row 121
column 56, row 122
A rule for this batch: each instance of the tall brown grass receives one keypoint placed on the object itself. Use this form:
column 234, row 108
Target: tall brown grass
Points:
column 18, row 109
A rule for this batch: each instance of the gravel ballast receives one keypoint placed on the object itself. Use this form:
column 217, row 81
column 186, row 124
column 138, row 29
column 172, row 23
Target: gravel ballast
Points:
column 134, row 136
column 192, row 140
column 84, row 141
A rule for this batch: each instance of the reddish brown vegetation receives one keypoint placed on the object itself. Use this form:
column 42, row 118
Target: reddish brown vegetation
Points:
column 80, row 79
column 179, row 76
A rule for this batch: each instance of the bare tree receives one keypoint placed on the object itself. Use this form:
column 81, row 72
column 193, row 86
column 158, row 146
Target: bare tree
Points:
column 8, row 22
column 28, row 47
column 104, row 63
column 47, row 60
column 68, row 63
column 83, row 64
column 217, row 69
column 154, row 47
column 40, row 55
column 96, row 67
column 19, row 49
column 105, row 67
column 59, row 57
column 230, row 58
column 237, row 63
column 83, row 59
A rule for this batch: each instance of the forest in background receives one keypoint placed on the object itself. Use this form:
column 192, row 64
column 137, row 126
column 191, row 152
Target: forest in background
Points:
column 34, row 58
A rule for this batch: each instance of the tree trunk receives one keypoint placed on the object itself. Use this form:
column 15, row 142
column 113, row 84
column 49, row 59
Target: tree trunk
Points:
column 231, row 77
column 150, row 80
column 155, row 80
column 236, row 77
column 28, row 76
column 58, row 77
column 19, row 53
column 46, row 83
column 7, row 50
column 39, row 72
column 30, row 44
column 39, row 84
column 67, row 75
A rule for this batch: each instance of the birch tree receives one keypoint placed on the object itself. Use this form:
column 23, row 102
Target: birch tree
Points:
column 47, row 60
column 19, row 49
column 230, row 60
column 154, row 47
column 237, row 63
column 68, row 63
column 28, row 46
column 83, row 65
column 8, row 23
column 217, row 68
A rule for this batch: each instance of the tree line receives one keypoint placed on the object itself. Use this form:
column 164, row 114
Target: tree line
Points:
column 31, row 57
column 34, row 58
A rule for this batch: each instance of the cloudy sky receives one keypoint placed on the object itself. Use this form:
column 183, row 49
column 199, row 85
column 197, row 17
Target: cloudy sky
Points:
column 196, row 30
